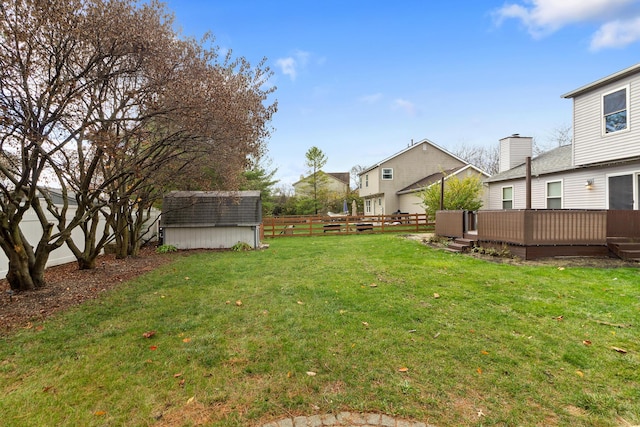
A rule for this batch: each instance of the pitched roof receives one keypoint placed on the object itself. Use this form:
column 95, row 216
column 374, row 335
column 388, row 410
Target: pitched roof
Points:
column 410, row 147
column 603, row 81
column 436, row 177
column 341, row 176
column 556, row 160
column 427, row 181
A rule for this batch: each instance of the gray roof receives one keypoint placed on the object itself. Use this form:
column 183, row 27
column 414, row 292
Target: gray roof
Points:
column 211, row 208
column 427, row 181
column 556, row 160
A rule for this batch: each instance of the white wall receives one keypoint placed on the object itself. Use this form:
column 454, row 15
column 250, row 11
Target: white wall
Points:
column 33, row 231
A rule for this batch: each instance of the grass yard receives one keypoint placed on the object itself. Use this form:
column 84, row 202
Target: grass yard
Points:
column 372, row 323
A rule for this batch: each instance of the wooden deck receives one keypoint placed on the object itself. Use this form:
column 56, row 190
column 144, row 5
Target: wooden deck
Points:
column 536, row 233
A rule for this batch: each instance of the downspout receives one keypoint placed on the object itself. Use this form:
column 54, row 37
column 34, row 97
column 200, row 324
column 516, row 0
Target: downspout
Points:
column 528, row 183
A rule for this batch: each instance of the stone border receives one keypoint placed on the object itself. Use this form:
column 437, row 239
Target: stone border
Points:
column 346, row 419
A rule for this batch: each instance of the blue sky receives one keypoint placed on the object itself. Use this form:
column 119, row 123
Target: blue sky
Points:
column 361, row 79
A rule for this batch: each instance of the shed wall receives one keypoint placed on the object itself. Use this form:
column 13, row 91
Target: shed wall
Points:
column 210, row 237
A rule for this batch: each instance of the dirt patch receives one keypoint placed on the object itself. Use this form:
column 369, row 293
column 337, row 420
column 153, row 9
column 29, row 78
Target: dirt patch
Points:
column 67, row 286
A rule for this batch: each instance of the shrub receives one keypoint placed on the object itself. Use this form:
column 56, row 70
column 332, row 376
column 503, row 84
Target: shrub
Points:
column 163, row 249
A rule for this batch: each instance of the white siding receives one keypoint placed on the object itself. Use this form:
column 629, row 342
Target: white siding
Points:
column 410, row 203
column 209, row 237
column 575, row 194
column 590, row 144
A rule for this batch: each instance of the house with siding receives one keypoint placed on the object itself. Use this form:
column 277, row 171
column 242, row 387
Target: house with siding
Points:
column 393, row 184
column 333, row 182
column 599, row 170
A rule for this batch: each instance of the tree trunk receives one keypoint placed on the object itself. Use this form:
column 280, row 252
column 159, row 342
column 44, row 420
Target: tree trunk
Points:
column 19, row 274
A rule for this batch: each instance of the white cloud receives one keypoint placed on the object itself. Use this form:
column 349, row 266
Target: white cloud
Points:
column 288, row 66
column 292, row 64
column 371, row 99
column 543, row 17
column 407, row 106
column 616, row 34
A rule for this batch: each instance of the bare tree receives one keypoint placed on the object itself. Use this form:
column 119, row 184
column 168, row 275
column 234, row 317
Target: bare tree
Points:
column 102, row 97
column 485, row 158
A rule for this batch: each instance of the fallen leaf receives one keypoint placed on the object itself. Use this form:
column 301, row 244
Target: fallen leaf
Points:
column 480, row 413
column 149, row 334
column 153, row 347
column 191, row 400
column 311, row 373
column 289, row 374
column 181, row 383
column 186, row 278
column 560, row 268
column 403, row 369
column 437, row 334
column 186, row 340
column 580, row 373
column 485, row 352
column 177, row 375
column 300, row 302
column 100, row 413
column 479, row 370
column 436, row 295
column 228, row 302
column 238, row 303
column 373, row 285
column 559, row 318
column 366, row 325
column 619, row 350
column 586, row 342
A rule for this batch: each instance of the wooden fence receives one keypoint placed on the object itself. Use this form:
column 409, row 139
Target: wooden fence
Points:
column 297, row 226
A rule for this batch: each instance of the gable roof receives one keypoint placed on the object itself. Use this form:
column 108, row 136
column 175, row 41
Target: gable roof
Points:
column 556, row 160
column 603, row 81
column 436, row 177
column 411, row 147
column 343, row 177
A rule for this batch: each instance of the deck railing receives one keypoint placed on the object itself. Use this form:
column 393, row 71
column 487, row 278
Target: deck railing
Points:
column 288, row 226
column 544, row 227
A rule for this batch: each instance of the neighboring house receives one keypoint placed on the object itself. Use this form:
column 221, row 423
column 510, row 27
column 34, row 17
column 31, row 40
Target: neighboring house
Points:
column 599, row 170
column 409, row 197
column 211, row 219
column 333, row 182
column 393, row 183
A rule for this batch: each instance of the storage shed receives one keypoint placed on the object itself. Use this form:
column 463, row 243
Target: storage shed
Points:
column 211, row 219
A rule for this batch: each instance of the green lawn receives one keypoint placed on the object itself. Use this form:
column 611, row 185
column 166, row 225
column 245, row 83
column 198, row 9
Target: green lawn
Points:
column 371, row 323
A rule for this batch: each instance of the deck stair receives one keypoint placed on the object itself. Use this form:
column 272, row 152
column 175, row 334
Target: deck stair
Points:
column 460, row 245
column 625, row 248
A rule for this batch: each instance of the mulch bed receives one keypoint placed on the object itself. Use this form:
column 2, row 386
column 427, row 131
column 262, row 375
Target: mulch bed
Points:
column 66, row 286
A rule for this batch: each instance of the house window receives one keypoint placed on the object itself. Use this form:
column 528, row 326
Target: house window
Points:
column 367, row 206
column 366, row 180
column 554, row 195
column 379, row 202
column 614, row 110
column 387, row 173
column 360, row 183
column 507, row 197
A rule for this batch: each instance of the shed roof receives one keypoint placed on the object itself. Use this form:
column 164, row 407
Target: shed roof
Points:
column 211, row 209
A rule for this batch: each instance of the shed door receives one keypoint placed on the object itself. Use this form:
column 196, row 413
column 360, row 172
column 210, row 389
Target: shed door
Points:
column 621, row 192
